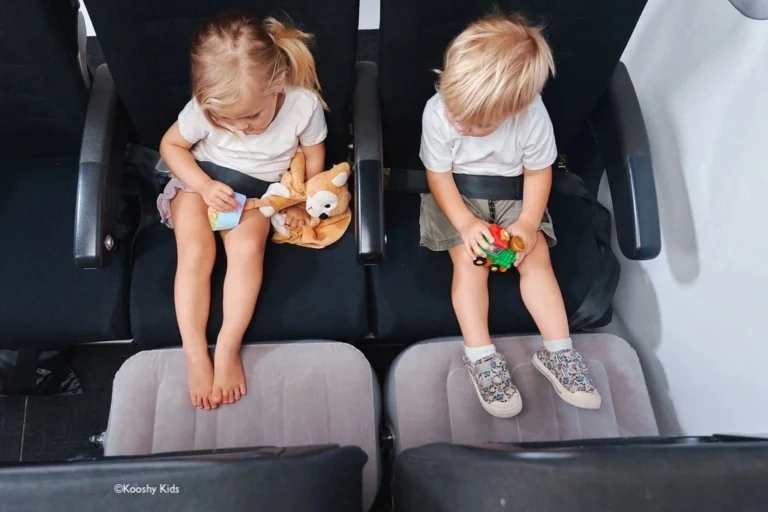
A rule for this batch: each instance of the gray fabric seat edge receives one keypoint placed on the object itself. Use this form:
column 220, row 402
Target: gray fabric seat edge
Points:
column 445, row 409
column 303, row 393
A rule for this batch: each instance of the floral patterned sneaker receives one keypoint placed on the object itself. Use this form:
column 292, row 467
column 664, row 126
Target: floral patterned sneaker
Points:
column 567, row 372
column 494, row 387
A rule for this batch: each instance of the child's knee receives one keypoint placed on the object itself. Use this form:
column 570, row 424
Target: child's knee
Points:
column 247, row 248
column 537, row 260
column 465, row 268
column 197, row 255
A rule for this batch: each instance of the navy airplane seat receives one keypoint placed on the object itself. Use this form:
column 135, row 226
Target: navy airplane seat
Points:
column 591, row 99
column 45, row 300
column 321, row 478
column 306, row 293
column 706, row 474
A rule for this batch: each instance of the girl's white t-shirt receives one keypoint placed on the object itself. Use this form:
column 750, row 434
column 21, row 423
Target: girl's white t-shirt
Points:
column 267, row 156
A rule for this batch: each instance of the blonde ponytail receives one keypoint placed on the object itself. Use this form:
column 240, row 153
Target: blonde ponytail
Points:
column 298, row 64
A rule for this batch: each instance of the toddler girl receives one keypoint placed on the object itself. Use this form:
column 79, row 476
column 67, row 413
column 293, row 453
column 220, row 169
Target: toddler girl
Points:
column 256, row 101
column 488, row 119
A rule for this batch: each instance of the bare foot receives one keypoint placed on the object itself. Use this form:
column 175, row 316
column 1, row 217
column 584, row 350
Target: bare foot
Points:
column 228, row 377
column 200, row 376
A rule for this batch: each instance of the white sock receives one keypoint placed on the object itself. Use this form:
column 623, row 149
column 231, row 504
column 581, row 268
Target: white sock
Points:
column 475, row 354
column 558, row 345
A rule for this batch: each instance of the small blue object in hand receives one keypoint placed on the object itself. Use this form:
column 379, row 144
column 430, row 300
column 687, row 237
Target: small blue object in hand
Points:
column 221, row 221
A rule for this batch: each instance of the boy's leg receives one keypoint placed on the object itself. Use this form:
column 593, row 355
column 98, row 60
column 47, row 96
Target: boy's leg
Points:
column 541, row 293
column 245, row 246
column 469, row 294
column 488, row 369
column 557, row 361
column 196, row 249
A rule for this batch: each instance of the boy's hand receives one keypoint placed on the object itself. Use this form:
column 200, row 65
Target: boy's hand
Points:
column 475, row 235
column 295, row 216
column 219, row 196
column 527, row 231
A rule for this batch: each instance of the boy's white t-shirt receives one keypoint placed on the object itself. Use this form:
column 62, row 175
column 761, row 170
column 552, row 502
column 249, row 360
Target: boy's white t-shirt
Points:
column 525, row 140
column 267, row 156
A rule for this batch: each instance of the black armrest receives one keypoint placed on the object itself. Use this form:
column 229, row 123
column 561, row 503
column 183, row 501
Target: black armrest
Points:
column 620, row 129
column 101, row 163
column 369, row 174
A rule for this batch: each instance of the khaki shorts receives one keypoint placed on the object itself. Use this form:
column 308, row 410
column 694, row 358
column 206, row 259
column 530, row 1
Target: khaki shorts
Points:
column 438, row 234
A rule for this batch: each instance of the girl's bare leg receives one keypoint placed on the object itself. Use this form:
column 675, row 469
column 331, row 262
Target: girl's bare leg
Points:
column 196, row 248
column 245, row 246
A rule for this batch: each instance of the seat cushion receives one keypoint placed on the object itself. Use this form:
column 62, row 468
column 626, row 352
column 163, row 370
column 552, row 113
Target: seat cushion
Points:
column 306, row 293
column 46, row 301
column 430, row 397
column 305, row 393
column 411, row 290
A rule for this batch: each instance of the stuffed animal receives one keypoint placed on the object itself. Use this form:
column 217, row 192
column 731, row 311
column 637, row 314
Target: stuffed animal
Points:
column 327, row 200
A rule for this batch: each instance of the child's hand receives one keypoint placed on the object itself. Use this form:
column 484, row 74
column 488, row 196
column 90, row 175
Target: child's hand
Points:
column 295, row 216
column 527, row 231
column 219, row 196
column 475, row 235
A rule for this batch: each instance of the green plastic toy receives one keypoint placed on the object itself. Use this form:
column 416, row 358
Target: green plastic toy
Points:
column 503, row 253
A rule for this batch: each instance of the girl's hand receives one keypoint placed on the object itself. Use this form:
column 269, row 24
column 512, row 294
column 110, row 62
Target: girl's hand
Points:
column 219, row 196
column 475, row 235
column 528, row 232
column 295, row 216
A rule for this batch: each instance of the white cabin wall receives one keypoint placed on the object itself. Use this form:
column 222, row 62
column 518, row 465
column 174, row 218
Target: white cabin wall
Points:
column 369, row 14
column 88, row 24
column 697, row 314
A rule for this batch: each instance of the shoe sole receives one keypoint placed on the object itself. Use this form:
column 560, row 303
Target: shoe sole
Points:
column 516, row 403
column 575, row 400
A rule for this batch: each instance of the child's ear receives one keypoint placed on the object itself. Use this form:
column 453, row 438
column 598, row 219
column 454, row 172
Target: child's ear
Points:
column 340, row 179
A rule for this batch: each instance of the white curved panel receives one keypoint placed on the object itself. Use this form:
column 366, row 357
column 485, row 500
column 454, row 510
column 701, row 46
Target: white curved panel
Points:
column 698, row 314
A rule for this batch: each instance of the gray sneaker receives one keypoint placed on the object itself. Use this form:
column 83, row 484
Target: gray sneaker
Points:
column 494, row 387
column 568, row 374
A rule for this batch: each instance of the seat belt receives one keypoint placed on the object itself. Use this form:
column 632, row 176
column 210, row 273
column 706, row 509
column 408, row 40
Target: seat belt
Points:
column 495, row 188
column 599, row 297
column 154, row 174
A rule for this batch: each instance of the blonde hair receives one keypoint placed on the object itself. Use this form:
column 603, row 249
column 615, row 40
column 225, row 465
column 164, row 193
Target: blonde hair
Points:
column 494, row 69
column 233, row 51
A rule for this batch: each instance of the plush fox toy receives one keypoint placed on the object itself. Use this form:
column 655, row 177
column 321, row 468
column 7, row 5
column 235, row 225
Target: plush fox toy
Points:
column 327, row 200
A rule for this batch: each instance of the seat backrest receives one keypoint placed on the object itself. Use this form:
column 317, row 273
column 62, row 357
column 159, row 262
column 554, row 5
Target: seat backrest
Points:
column 43, row 96
column 587, row 38
column 630, row 475
column 319, row 478
column 146, row 45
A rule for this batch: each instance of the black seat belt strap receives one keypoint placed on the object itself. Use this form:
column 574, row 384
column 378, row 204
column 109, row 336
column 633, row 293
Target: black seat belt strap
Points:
column 599, row 297
column 497, row 188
